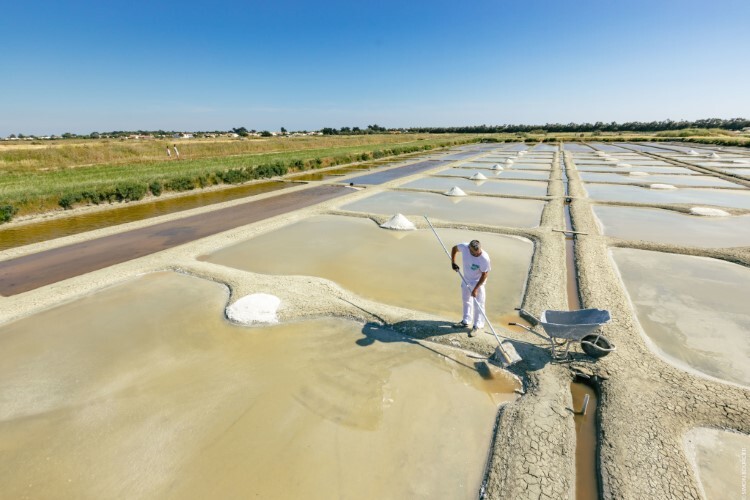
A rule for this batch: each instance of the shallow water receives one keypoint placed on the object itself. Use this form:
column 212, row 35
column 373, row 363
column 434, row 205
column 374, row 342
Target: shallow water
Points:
column 639, row 168
column 472, row 209
column 719, row 456
column 523, row 175
column 145, row 391
column 693, row 309
column 692, row 196
column 666, row 226
column 577, row 147
column 402, row 268
column 328, row 174
column 587, row 487
column 50, row 229
column 527, row 165
column 610, row 148
column 499, row 187
column 675, row 180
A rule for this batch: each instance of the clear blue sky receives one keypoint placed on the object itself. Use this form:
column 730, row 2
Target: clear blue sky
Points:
column 83, row 66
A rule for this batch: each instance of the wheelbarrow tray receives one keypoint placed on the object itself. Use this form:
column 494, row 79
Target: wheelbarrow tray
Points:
column 573, row 325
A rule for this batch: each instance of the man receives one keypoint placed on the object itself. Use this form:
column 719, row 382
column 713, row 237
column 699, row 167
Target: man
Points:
column 476, row 263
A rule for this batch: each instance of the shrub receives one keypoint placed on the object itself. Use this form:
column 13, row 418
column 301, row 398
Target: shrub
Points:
column 271, row 170
column 155, row 187
column 7, row 212
column 130, row 191
column 234, row 175
column 67, row 200
column 180, row 184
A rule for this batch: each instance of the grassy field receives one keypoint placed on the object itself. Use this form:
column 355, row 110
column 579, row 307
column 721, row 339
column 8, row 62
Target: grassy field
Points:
column 36, row 178
column 40, row 176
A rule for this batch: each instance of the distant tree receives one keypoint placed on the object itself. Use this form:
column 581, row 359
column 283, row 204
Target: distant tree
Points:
column 68, row 135
column 241, row 131
column 266, row 133
column 12, row 136
column 94, row 135
column 283, row 130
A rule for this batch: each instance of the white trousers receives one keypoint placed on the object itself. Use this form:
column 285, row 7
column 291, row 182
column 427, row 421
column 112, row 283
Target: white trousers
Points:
column 472, row 316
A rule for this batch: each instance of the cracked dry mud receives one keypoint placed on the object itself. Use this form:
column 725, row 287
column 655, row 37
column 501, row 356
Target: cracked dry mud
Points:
column 646, row 405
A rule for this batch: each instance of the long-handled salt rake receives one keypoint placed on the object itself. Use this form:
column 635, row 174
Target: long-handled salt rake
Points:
column 504, row 353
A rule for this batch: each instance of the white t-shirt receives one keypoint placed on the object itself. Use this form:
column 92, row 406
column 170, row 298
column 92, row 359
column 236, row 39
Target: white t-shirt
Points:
column 473, row 266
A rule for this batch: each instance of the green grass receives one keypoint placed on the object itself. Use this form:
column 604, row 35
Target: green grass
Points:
column 37, row 189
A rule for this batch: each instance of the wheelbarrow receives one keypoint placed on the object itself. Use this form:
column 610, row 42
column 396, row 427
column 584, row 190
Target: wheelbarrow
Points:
column 564, row 327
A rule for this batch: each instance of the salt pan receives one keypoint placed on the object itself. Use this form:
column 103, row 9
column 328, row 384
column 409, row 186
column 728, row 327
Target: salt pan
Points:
column 455, row 191
column 662, row 186
column 638, row 173
column 254, row 308
column 399, row 223
column 708, row 212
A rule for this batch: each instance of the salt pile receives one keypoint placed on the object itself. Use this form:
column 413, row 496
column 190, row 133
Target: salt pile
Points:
column 455, row 191
column 692, row 152
column 496, row 166
column 624, row 165
column 714, row 156
column 662, row 186
column 638, row 173
column 478, row 177
column 509, row 161
column 708, row 212
column 254, row 308
column 399, row 223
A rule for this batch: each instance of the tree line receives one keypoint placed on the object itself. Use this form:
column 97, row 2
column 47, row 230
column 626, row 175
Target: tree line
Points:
column 654, row 126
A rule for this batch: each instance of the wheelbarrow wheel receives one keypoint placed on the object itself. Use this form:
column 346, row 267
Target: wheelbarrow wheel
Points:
column 596, row 346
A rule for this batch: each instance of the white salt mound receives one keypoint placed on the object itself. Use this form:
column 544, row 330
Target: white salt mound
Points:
column 692, row 152
column 708, row 212
column 509, row 161
column 399, row 223
column 455, row 191
column 478, row 177
column 496, row 166
column 714, row 156
column 638, row 173
column 662, row 186
column 624, row 165
column 254, row 308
